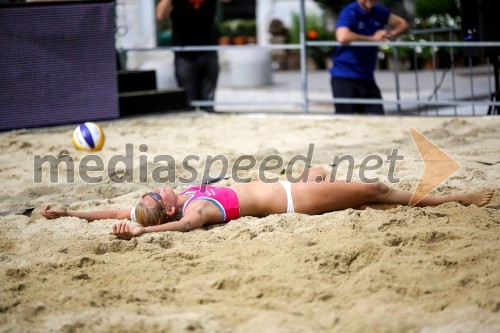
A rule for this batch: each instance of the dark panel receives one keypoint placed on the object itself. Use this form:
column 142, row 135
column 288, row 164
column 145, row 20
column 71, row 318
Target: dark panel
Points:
column 480, row 23
column 145, row 102
column 136, row 80
column 57, row 63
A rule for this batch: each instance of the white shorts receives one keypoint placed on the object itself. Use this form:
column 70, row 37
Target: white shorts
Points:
column 289, row 200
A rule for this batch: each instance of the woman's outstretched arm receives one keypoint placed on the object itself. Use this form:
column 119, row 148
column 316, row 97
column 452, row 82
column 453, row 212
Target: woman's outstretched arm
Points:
column 189, row 222
column 118, row 214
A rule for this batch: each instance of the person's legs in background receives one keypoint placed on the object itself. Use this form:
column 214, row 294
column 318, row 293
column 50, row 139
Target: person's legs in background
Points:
column 344, row 88
column 186, row 73
column 356, row 88
column 197, row 73
column 208, row 66
column 369, row 89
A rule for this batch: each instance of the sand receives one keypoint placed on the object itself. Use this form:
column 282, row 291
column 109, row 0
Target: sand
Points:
column 434, row 269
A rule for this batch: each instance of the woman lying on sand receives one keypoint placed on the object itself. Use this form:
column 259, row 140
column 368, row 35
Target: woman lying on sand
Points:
column 163, row 210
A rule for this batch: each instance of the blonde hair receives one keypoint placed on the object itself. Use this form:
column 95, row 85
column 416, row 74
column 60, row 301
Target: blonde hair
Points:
column 150, row 215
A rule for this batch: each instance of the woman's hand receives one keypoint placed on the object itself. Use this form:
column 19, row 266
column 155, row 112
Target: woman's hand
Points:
column 124, row 231
column 53, row 213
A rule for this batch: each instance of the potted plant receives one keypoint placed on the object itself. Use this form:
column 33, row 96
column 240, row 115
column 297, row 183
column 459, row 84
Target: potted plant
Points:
column 315, row 31
column 249, row 30
column 237, row 28
column 224, row 29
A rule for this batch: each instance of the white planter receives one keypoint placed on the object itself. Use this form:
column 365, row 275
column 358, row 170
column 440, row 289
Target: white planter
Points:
column 250, row 67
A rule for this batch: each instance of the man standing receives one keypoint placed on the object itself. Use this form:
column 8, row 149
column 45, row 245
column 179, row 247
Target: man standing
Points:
column 354, row 66
column 193, row 25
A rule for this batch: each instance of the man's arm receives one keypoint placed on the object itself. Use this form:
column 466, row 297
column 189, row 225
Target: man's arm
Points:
column 397, row 24
column 163, row 9
column 344, row 35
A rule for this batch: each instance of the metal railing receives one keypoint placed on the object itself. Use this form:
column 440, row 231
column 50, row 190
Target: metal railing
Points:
column 419, row 104
column 473, row 98
column 404, row 105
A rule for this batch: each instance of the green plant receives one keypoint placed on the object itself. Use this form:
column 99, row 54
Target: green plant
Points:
column 225, row 28
column 428, row 8
column 406, row 52
column 315, row 31
column 238, row 28
column 248, row 28
column 426, row 51
column 313, row 23
column 437, row 21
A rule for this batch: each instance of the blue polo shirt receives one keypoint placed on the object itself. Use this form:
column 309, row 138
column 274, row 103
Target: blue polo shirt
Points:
column 358, row 62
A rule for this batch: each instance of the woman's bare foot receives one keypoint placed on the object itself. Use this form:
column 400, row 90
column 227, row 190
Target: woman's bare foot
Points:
column 479, row 198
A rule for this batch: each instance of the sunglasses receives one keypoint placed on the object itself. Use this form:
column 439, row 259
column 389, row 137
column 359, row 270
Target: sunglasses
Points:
column 155, row 196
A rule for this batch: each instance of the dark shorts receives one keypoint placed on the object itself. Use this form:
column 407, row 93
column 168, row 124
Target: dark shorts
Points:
column 356, row 88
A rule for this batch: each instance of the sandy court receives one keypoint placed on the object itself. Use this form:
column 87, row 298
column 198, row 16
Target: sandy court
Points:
column 434, row 269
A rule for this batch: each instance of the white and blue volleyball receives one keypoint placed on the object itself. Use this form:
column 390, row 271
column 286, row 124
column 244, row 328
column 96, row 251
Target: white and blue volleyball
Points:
column 88, row 136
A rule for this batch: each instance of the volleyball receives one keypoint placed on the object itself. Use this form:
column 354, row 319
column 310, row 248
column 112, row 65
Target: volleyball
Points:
column 88, row 136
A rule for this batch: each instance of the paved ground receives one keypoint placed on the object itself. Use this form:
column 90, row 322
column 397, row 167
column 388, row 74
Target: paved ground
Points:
column 285, row 95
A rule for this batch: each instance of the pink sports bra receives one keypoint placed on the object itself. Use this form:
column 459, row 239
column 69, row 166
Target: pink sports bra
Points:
column 224, row 198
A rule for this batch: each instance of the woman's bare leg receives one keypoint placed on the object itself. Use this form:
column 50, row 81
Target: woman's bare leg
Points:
column 317, row 198
column 321, row 197
column 315, row 174
column 393, row 196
